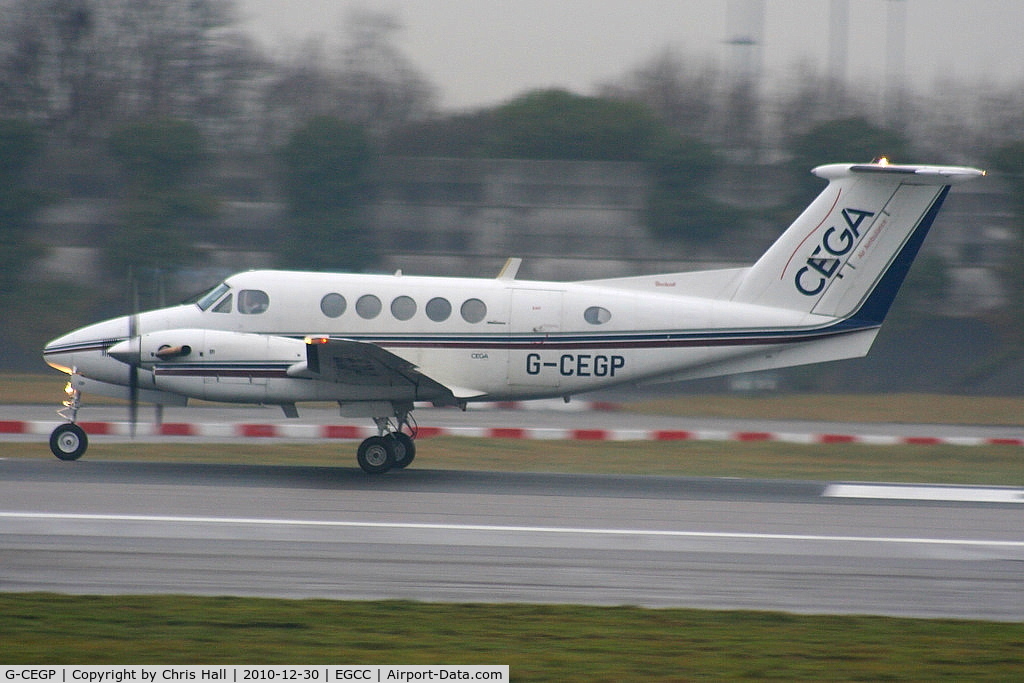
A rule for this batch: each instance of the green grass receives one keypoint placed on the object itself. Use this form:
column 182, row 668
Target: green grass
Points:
column 27, row 388
column 908, row 408
column 538, row 642
column 992, row 465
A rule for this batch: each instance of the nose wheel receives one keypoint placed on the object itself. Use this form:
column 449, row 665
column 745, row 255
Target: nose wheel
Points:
column 68, row 441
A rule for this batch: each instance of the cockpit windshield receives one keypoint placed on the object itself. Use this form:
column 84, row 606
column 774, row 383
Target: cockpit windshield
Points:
column 208, row 299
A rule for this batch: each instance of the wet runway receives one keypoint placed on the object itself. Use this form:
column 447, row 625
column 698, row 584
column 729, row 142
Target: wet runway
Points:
column 125, row 527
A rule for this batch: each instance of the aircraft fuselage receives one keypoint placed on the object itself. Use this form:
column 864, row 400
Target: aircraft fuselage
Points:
column 487, row 339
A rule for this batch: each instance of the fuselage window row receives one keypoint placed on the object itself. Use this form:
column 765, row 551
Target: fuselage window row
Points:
column 369, row 306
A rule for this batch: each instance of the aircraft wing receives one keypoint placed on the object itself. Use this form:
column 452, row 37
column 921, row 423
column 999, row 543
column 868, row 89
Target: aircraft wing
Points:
column 347, row 361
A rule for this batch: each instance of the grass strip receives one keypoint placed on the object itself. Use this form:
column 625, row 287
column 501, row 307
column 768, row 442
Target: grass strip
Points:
column 538, row 642
column 980, row 465
column 883, row 408
column 906, row 408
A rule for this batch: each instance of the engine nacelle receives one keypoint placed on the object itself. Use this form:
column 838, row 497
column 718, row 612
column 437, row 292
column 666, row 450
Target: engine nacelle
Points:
column 217, row 365
column 207, row 347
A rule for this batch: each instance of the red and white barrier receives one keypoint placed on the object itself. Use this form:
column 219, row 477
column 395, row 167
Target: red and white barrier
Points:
column 307, row 431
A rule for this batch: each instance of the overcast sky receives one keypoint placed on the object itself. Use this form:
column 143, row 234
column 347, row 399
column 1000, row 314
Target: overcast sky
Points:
column 481, row 52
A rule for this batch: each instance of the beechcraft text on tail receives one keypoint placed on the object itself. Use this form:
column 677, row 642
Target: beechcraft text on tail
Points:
column 376, row 344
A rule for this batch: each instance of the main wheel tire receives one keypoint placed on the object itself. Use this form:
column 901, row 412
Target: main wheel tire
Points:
column 376, row 455
column 68, row 441
column 405, row 449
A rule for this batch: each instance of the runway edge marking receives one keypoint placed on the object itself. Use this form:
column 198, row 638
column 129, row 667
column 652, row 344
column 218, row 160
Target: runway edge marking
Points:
column 303, row 431
column 926, row 492
column 499, row 528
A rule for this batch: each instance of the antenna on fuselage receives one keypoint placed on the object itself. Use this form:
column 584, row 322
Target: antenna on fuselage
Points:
column 510, row 269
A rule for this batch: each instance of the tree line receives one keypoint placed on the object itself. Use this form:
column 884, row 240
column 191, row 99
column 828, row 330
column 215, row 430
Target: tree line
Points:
column 140, row 101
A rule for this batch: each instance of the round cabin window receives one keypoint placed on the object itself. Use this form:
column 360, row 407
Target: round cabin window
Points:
column 403, row 307
column 368, row 306
column 438, row 309
column 473, row 310
column 333, row 305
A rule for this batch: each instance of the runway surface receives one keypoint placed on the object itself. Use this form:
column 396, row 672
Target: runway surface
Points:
column 123, row 527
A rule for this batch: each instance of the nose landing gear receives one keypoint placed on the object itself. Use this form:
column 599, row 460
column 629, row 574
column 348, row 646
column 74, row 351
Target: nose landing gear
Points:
column 69, row 441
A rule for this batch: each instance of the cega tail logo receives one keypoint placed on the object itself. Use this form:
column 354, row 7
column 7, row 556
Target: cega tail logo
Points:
column 824, row 261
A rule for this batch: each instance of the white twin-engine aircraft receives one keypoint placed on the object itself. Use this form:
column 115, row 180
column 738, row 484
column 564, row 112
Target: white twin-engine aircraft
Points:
column 378, row 343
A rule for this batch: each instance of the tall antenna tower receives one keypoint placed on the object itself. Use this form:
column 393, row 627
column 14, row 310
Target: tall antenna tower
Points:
column 745, row 38
column 895, row 60
column 838, row 40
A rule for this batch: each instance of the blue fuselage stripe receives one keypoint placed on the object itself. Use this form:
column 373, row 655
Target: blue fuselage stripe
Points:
column 625, row 341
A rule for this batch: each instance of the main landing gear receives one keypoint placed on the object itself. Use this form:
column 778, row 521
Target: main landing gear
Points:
column 68, row 441
column 392, row 447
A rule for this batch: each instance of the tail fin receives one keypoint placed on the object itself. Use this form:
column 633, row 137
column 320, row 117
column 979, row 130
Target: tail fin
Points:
column 848, row 252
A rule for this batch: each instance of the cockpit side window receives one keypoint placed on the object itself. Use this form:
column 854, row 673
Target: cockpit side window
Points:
column 253, row 301
column 207, row 300
column 225, row 305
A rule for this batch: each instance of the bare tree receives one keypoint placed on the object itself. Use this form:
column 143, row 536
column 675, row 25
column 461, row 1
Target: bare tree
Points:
column 682, row 94
column 368, row 82
column 381, row 87
column 81, row 66
column 47, row 60
column 297, row 88
column 180, row 58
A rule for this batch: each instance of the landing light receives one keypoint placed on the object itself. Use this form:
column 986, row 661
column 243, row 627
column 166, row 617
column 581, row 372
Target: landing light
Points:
column 881, row 161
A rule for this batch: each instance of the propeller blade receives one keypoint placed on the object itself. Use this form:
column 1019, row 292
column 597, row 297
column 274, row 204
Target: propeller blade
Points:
column 133, row 396
column 136, row 341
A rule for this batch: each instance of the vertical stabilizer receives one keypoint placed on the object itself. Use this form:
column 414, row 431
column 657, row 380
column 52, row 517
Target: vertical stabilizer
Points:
column 847, row 254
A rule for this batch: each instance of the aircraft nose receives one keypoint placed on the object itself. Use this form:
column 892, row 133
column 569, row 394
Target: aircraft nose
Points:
column 58, row 353
column 83, row 347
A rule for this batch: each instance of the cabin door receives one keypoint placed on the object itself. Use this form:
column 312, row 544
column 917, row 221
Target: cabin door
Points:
column 536, row 315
